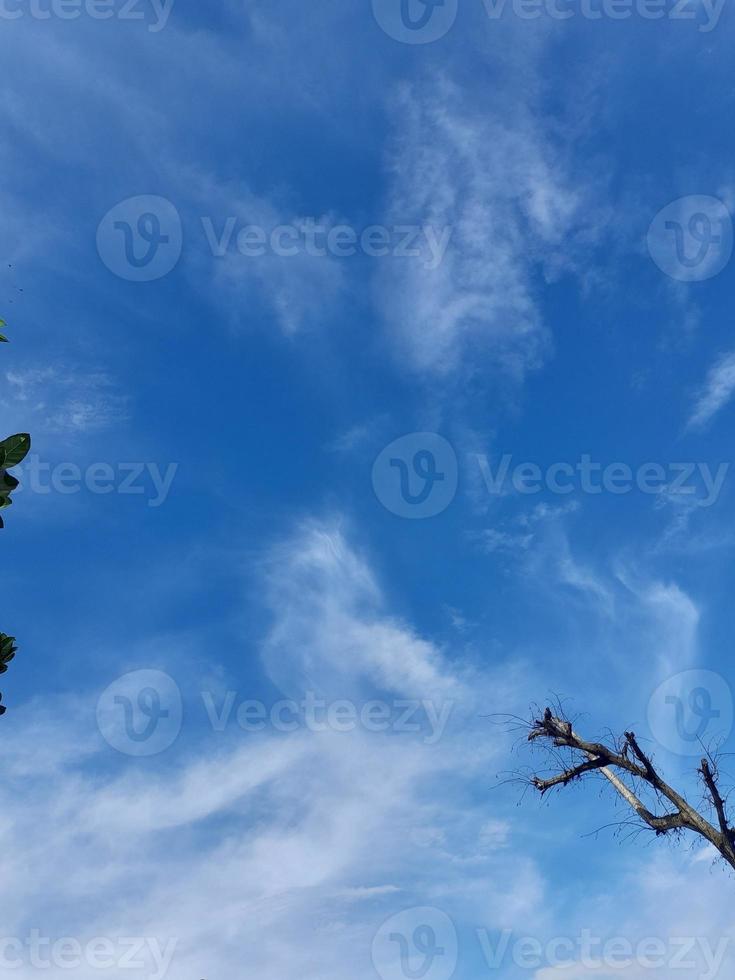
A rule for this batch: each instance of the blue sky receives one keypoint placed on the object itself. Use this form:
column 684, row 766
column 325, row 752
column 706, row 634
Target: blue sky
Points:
column 356, row 252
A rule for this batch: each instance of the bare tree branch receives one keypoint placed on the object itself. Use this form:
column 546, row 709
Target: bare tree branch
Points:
column 626, row 760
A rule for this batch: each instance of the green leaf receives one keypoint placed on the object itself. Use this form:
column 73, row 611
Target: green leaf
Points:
column 8, row 649
column 8, row 483
column 14, row 450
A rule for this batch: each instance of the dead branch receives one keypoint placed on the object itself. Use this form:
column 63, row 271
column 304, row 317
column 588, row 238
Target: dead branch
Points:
column 626, row 766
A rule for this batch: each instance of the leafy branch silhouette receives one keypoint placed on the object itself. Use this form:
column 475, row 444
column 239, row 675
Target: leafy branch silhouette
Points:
column 13, row 451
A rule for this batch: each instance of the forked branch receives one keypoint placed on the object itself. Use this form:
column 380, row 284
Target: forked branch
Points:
column 627, row 767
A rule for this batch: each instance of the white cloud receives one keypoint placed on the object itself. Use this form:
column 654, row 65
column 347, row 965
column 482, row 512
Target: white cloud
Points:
column 52, row 400
column 525, row 529
column 289, row 850
column 655, row 933
column 669, row 626
column 716, row 392
column 491, row 539
column 281, row 852
column 503, row 188
column 157, row 134
column 299, row 290
column 332, row 629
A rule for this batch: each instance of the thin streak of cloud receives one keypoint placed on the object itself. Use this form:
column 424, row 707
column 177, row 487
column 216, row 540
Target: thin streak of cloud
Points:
column 716, row 392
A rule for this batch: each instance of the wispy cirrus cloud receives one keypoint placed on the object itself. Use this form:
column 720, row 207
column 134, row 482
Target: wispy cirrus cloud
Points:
column 716, row 392
column 294, row 847
column 62, row 400
column 502, row 186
